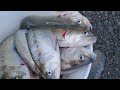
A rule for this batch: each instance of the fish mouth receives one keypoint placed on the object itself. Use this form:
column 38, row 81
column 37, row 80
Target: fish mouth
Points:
column 93, row 58
column 87, row 24
column 87, row 41
column 91, row 39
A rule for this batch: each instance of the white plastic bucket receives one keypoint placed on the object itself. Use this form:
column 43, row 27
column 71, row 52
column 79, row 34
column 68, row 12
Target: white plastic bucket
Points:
column 9, row 23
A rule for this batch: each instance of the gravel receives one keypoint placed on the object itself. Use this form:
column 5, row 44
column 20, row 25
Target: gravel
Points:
column 106, row 25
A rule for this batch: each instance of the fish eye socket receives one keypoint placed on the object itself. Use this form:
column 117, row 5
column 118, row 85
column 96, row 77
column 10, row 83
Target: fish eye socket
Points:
column 78, row 21
column 81, row 57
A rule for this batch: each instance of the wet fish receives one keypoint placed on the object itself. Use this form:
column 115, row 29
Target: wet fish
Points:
column 76, row 38
column 73, row 58
column 45, row 52
column 11, row 64
column 64, row 20
column 23, row 50
column 67, row 37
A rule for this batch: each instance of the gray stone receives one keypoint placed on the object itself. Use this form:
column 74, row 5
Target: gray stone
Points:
column 117, row 50
column 97, row 66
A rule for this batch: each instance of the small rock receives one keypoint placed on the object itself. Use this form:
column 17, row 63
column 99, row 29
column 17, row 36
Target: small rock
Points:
column 106, row 22
column 101, row 11
column 83, row 11
column 117, row 50
column 113, row 13
column 118, row 23
column 116, row 43
column 108, row 73
column 99, row 23
column 110, row 29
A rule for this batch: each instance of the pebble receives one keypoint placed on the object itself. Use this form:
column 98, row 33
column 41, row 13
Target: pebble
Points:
column 116, row 50
column 109, row 73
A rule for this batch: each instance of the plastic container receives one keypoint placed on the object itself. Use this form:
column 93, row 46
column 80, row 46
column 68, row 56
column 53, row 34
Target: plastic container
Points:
column 9, row 23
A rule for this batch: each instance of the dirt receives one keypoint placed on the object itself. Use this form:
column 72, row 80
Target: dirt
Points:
column 106, row 25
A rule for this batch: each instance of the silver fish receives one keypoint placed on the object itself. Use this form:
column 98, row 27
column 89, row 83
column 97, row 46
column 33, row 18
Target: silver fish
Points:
column 65, row 20
column 45, row 52
column 11, row 64
column 23, row 50
column 72, row 58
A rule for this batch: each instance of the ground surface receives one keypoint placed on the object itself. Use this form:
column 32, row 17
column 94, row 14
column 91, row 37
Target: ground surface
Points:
column 106, row 26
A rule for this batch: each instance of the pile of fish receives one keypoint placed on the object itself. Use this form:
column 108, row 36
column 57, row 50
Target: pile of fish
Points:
column 46, row 47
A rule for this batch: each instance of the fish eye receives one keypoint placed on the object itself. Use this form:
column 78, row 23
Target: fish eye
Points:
column 49, row 72
column 81, row 57
column 79, row 21
column 85, row 33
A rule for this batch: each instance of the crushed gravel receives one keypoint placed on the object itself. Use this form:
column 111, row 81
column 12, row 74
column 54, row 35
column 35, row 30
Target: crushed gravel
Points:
column 106, row 26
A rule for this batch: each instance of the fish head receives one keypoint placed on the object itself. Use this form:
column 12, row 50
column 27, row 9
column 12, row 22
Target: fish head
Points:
column 85, row 23
column 87, row 38
column 15, row 72
column 81, row 21
column 86, row 55
column 50, row 68
column 73, row 58
column 77, row 19
column 79, row 38
column 84, row 38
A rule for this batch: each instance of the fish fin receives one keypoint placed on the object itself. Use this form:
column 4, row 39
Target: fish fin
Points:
column 27, row 25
